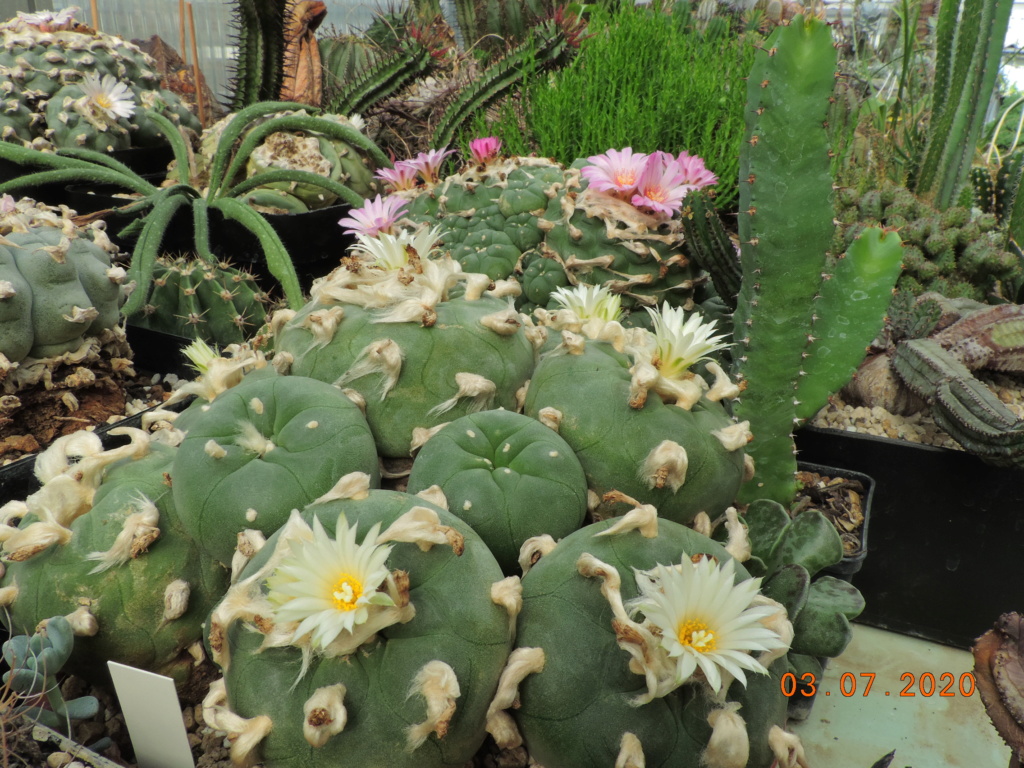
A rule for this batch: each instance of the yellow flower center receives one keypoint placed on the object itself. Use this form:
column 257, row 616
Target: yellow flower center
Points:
column 625, row 178
column 346, row 592
column 656, row 194
column 696, row 635
column 103, row 101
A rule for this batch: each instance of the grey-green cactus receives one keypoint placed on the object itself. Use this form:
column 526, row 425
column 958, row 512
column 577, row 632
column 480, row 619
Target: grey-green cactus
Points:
column 508, row 476
column 397, row 666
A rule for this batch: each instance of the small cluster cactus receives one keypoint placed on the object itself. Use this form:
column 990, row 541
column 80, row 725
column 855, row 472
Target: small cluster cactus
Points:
column 951, row 252
column 66, row 85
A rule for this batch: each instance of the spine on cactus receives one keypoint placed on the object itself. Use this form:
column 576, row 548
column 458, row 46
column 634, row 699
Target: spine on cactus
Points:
column 366, row 86
column 964, row 86
column 548, row 46
column 802, row 320
column 709, row 245
column 259, row 36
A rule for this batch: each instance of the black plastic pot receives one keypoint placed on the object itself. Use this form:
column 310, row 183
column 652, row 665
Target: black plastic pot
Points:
column 947, row 535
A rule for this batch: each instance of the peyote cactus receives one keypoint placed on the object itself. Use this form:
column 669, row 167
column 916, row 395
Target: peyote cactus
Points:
column 803, row 319
column 508, row 476
column 389, row 325
column 196, row 299
column 62, row 345
column 643, row 642
column 101, row 543
column 532, row 217
column 66, row 85
column 266, row 446
column 384, row 644
column 644, row 426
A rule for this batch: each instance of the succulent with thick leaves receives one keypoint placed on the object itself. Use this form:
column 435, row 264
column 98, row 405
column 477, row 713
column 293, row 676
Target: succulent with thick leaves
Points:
column 44, row 71
column 532, row 217
column 196, row 299
column 508, row 476
column 102, row 544
column 592, row 660
column 268, row 445
column 803, row 319
column 394, row 331
column 410, row 685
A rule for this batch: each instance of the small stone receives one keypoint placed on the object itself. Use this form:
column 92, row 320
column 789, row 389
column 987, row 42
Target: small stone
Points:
column 58, row 760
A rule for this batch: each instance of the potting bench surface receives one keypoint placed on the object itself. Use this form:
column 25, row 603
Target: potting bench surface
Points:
column 927, row 731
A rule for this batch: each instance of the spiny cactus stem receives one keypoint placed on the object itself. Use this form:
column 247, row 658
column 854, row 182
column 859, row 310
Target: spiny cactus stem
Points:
column 278, row 260
column 147, row 249
column 328, row 128
column 201, row 227
column 100, row 158
column 89, row 174
column 350, row 196
column 25, row 156
column 174, row 137
column 382, row 79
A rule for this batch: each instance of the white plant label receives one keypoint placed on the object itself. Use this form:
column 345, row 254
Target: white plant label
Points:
column 153, row 716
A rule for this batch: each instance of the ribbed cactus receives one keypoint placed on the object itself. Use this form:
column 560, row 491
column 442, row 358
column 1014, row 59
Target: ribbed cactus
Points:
column 803, row 319
column 259, row 65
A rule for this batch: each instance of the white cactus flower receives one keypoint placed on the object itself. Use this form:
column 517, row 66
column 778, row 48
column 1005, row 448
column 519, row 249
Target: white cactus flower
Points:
column 109, row 95
column 705, row 620
column 590, row 301
column 679, row 342
column 394, row 251
column 330, row 586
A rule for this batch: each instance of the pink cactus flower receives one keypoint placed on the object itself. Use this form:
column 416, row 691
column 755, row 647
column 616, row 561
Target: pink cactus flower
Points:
column 401, row 177
column 661, row 186
column 616, row 171
column 695, row 173
column 428, row 164
column 484, row 150
column 376, row 216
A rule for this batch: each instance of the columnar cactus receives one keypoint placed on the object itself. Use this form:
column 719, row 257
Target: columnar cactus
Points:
column 383, row 644
column 264, row 447
column 197, row 299
column 67, row 85
column 388, row 324
column 507, row 475
column 101, row 543
column 643, row 425
column 802, row 320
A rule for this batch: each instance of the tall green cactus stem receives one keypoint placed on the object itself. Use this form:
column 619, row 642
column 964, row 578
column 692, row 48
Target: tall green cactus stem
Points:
column 790, row 289
column 963, row 89
column 549, row 45
column 259, row 66
column 385, row 77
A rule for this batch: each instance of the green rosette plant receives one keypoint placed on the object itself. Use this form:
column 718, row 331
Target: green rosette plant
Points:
column 508, row 476
column 382, row 623
column 102, row 544
column 419, row 340
column 642, row 423
column 644, row 642
column 266, row 446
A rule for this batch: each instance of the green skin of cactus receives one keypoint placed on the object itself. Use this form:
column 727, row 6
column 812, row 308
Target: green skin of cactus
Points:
column 541, row 278
column 456, row 622
column 145, row 132
column 317, row 435
column 798, row 335
column 432, row 356
column 34, row 319
column 128, row 599
column 574, row 712
column 72, row 130
column 16, row 121
column 508, row 476
column 612, row 440
column 219, row 305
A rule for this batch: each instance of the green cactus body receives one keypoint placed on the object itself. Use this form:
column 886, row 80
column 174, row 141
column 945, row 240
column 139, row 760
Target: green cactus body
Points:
column 54, row 293
column 792, row 296
column 261, row 449
column 195, row 299
column 586, row 677
column 456, row 626
column 530, row 215
column 508, row 476
column 446, row 360
column 654, row 452
column 71, row 128
column 148, row 593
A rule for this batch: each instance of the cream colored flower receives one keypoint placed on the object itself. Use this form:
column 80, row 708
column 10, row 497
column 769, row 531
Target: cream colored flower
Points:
column 109, row 95
column 680, row 342
column 590, row 301
column 397, row 251
column 330, row 586
column 705, row 619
